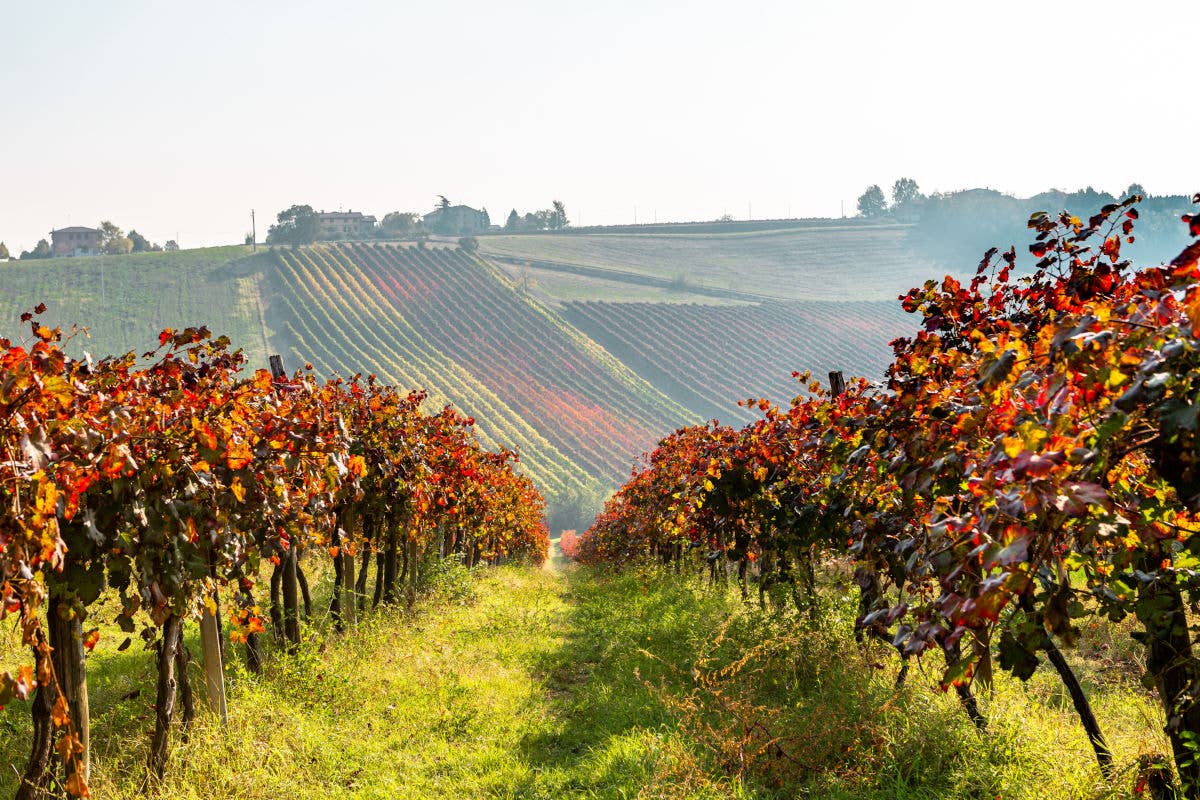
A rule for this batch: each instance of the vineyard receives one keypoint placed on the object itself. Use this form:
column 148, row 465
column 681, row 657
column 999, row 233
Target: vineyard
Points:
column 1030, row 469
column 119, row 298
column 577, row 395
column 440, row 317
column 829, row 262
column 709, row 356
column 167, row 483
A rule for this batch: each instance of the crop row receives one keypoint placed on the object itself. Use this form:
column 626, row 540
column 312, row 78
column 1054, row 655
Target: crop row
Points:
column 724, row 353
column 588, row 404
column 338, row 324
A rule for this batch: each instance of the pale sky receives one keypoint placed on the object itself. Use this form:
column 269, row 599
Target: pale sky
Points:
column 178, row 118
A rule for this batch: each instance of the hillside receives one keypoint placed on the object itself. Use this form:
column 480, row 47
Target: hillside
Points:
column 580, row 360
column 831, row 262
column 709, row 356
column 126, row 300
column 442, row 318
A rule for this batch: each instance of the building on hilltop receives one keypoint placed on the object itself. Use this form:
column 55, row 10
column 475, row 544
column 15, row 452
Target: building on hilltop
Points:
column 344, row 225
column 456, row 221
column 75, row 241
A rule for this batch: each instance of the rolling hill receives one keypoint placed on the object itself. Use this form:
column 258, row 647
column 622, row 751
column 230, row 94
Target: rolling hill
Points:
column 579, row 350
column 835, row 262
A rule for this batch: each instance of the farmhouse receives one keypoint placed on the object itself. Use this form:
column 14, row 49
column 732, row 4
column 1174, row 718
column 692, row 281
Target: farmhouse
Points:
column 75, row 241
column 344, row 224
column 456, row 221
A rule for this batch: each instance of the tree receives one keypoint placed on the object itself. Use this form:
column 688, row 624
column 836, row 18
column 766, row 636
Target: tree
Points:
column 513, row 223
column 443, row 203
column 4, row 254
column 872, row 203
column 487, row 219
column 120, row 246
column 295, row 226
column 113, row 240
column 42, row 250
column 171, row 246
column 143, row 245
column 1136, row 188
column 248, row 238
column 904, row 191
column 534, row 222
column 558, row 218
column 469, row 243
column 400, row 223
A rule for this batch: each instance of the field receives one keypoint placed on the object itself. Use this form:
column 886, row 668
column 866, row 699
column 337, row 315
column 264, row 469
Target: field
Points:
column 442, row 318
column 708, row 357
column 125, row 300
column 833, row 262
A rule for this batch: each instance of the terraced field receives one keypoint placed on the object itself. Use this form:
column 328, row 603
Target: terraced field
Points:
column 709, row 356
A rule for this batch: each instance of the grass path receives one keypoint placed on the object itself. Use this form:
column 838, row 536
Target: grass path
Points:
column 531, row 684
column 506, row 686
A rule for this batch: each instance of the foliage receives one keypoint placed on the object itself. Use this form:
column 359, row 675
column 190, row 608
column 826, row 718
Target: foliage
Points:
column 41, row 250
column 140, row 244
column 907, row 200
column 558, row 216
column 296, row 225
column 166, row 476
column 400, row 223
column 1031, row 463
column 904, row 191
column 872, row 203
column 171, row 246
column 4, row 254
column 113, row 240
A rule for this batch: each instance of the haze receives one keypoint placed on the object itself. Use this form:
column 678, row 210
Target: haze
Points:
column 177, row 121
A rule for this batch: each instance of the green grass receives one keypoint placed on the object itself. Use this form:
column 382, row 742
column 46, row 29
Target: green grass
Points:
column 523, row 683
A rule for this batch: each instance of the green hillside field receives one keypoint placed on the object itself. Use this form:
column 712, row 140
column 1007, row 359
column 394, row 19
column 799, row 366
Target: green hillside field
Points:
column 124, row 301
column 829, row 262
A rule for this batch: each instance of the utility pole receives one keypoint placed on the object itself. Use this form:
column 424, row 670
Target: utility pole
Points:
column 635, row 215
column 253, row 231
column 749, row 210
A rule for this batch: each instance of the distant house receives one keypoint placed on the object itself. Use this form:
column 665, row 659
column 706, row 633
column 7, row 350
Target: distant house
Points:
column 75, row 241
column 344, row 224
column 456, row 221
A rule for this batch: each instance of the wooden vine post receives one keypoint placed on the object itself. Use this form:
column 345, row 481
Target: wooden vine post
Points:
column 214, row 667
column 291, row 599
column 837, row 384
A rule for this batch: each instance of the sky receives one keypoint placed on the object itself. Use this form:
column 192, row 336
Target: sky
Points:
column 177, row 119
